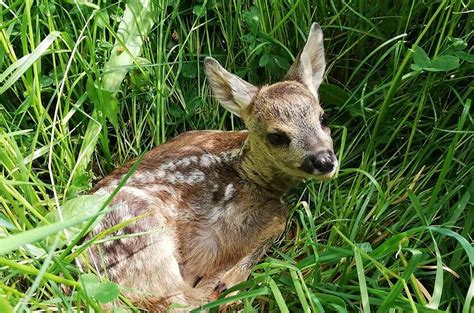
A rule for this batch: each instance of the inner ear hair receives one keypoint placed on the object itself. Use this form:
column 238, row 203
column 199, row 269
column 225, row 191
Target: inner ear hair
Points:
column 309, row 66
column 234, row 93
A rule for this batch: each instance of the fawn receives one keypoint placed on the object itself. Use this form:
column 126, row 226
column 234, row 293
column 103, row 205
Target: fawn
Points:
column 210, row 202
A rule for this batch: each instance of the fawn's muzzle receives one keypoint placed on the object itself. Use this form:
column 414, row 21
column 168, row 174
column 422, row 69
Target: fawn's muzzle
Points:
column 322, row 162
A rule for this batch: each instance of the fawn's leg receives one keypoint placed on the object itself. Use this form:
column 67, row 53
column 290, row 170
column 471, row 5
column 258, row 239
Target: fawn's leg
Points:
column 240, row 271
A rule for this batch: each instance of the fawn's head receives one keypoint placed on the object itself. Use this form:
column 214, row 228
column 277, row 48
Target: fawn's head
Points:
column 285, row 120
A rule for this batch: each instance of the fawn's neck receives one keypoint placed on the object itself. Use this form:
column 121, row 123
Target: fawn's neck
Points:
column 256, row 167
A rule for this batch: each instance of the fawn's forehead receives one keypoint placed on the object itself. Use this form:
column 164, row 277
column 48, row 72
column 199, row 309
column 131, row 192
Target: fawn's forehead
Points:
column 287, row 102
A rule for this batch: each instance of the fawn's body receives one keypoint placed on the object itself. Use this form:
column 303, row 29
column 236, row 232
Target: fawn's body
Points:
column 203, row 214
column 209, row 203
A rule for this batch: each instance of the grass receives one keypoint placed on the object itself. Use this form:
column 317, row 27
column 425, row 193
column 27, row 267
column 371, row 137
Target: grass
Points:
column 393, row 232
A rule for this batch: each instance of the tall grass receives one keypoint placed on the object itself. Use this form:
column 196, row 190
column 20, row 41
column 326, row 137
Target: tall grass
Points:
column 393, row 232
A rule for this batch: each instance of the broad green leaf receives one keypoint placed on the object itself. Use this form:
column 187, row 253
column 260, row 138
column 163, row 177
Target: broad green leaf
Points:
column 85, row 205
column 438, row 285
column 281, row 62
column 104, row 101
column 332, row 94
column 189, row 70
column 252, row 18
column 102, row 18
column 465, row 56
column 416, row 67
column 176, row 111
column 457, row 43
column 444, row 63
column 135, row 24
column 101, row 291
column 420, row 58
column 264, row 59
column 441, row 63
column 199, row 10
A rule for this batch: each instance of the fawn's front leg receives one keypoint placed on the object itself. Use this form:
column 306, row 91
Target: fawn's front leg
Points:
column 240, row 271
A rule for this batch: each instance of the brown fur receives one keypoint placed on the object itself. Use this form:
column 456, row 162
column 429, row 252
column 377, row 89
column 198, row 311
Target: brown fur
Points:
column 208, row 202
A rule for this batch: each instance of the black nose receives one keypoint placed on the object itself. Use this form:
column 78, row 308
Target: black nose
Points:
column 323, row 162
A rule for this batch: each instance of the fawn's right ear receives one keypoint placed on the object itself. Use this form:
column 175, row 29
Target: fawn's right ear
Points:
column 234, row 93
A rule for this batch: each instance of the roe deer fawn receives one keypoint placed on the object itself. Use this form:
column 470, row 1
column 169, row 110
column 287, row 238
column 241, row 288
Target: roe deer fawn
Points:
column 209, row 202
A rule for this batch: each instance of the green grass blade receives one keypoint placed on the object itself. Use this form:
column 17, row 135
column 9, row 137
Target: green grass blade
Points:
column 278, row 296
column 470, row 294
column 22, row 65
column 390, row 299
column 362, row 282
column 463, row 241
column 16, row 241
column 299, row 291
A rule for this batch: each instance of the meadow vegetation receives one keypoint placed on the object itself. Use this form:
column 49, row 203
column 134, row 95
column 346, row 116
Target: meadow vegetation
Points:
column 391, row 233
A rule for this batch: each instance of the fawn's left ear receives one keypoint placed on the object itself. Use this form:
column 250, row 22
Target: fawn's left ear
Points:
column 309, row 66
column 234, row 93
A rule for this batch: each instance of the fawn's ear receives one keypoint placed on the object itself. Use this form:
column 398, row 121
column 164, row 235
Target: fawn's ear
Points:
column 309, row 66
column 234, row 93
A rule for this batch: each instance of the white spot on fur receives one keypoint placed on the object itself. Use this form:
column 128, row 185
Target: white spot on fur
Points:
column 191, row 178
column 168, row 166
column 229, row 192
column 235, row 152
column 148, row 177
column 196, row 177
column 208, row 159
column 176, row 177
column 141, row 178
column 230, row 155
column 160, row 174
column 183, row 162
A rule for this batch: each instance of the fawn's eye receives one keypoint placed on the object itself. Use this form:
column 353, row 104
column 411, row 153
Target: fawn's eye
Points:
column 323, row 119
column 278, row 139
